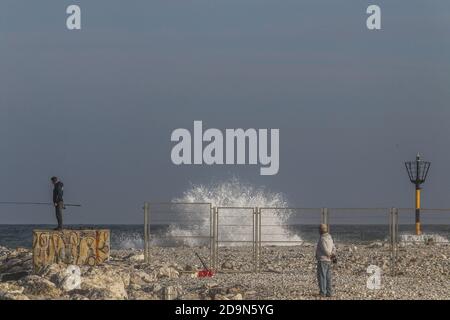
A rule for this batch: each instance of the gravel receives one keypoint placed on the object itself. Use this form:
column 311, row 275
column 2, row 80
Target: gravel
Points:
column 421, row 272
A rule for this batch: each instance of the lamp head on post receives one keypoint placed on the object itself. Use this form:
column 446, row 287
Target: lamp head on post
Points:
column 417, row 170
column 417, row 173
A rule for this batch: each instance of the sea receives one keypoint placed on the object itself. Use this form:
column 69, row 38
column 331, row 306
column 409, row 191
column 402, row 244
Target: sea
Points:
column 132, row 236
column 186, row 220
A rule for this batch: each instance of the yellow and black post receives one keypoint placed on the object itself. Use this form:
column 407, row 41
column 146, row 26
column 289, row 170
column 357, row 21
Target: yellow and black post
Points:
column 418, row 230
column 417, row 172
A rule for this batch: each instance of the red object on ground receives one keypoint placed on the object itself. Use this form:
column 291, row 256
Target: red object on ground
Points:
column 205, row 273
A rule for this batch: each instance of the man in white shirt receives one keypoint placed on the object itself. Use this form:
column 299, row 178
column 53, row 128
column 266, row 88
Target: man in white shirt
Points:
column 325, row 251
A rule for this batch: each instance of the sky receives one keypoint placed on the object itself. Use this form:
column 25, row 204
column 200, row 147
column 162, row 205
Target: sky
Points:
column 97, row 106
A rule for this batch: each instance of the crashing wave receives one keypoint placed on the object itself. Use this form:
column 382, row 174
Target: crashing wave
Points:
column 235, row 223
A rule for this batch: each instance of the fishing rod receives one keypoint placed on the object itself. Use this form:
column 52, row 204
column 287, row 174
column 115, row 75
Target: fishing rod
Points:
column 206, row 272
column 202, row 261
column 37, row 203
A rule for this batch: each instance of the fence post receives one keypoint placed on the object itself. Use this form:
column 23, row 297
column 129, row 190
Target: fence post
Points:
column 215, row 237
column 211, row 237
column 325, row 220
column 322, row 211
column 256, row 237
column 259, row 237
column 393, row 238
column 146, row 233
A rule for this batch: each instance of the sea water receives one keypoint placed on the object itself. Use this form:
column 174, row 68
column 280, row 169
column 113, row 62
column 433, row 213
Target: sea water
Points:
column 179, row 226
column 132, row 236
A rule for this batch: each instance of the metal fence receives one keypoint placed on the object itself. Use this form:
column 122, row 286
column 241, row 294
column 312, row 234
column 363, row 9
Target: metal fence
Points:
column 178, row 224
column 435, row 225
column 359, row 225
column 284, row 227
column 236, row 232
column 253, row 233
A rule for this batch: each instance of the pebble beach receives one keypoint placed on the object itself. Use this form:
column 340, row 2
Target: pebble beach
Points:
column 422, row 271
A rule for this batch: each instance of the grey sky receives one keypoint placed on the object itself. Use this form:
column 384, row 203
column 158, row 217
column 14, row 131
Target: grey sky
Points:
column 97, row 106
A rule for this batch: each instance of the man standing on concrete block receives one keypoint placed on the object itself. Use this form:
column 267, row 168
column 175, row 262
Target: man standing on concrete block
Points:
column 58, row 202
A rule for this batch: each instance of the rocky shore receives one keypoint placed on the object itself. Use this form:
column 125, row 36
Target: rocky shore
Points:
column 422, row 271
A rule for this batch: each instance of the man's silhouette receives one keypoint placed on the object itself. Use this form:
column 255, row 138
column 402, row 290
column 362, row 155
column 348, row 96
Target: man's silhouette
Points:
column 58, row 201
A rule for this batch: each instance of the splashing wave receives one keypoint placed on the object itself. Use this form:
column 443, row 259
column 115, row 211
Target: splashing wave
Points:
column 234, row 193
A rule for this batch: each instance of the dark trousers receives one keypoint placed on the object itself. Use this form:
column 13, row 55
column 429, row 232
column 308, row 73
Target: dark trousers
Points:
column 324, row 278
column 59, row 214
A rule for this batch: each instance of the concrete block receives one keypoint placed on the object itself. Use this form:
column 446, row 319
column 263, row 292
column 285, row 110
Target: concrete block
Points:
column 78, row 247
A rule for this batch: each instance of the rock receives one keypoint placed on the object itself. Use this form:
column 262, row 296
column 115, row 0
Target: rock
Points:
column 9, row 296
column 234, row 290
column 274, row 269
column 155, row 288
column 71, row 279
column 11, row 291
column 176, row 266
column 188, row 268
column 10, row 265
column 105, row 284
column 4, row 252
column 134, row 287
column 54, row 272
column 137, row 258
column 214, row 291
column 228, row 265
column 190, row 296
column 209, row 285
column 78, row 297
column 171, row 292
column 121, row 279
column 141, row 277
column 142, row 295
column 13, row 276
column 27, row 264
column 167, row 272
column 38, row 286
column 80, row 292
column 375, row 245
column 65, row 277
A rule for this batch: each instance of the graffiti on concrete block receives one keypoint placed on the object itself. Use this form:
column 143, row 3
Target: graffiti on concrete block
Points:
column 78, row 247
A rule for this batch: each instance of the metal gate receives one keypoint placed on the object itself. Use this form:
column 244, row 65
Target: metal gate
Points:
column 168, row 224
column 283, row 234
column 235, row 239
